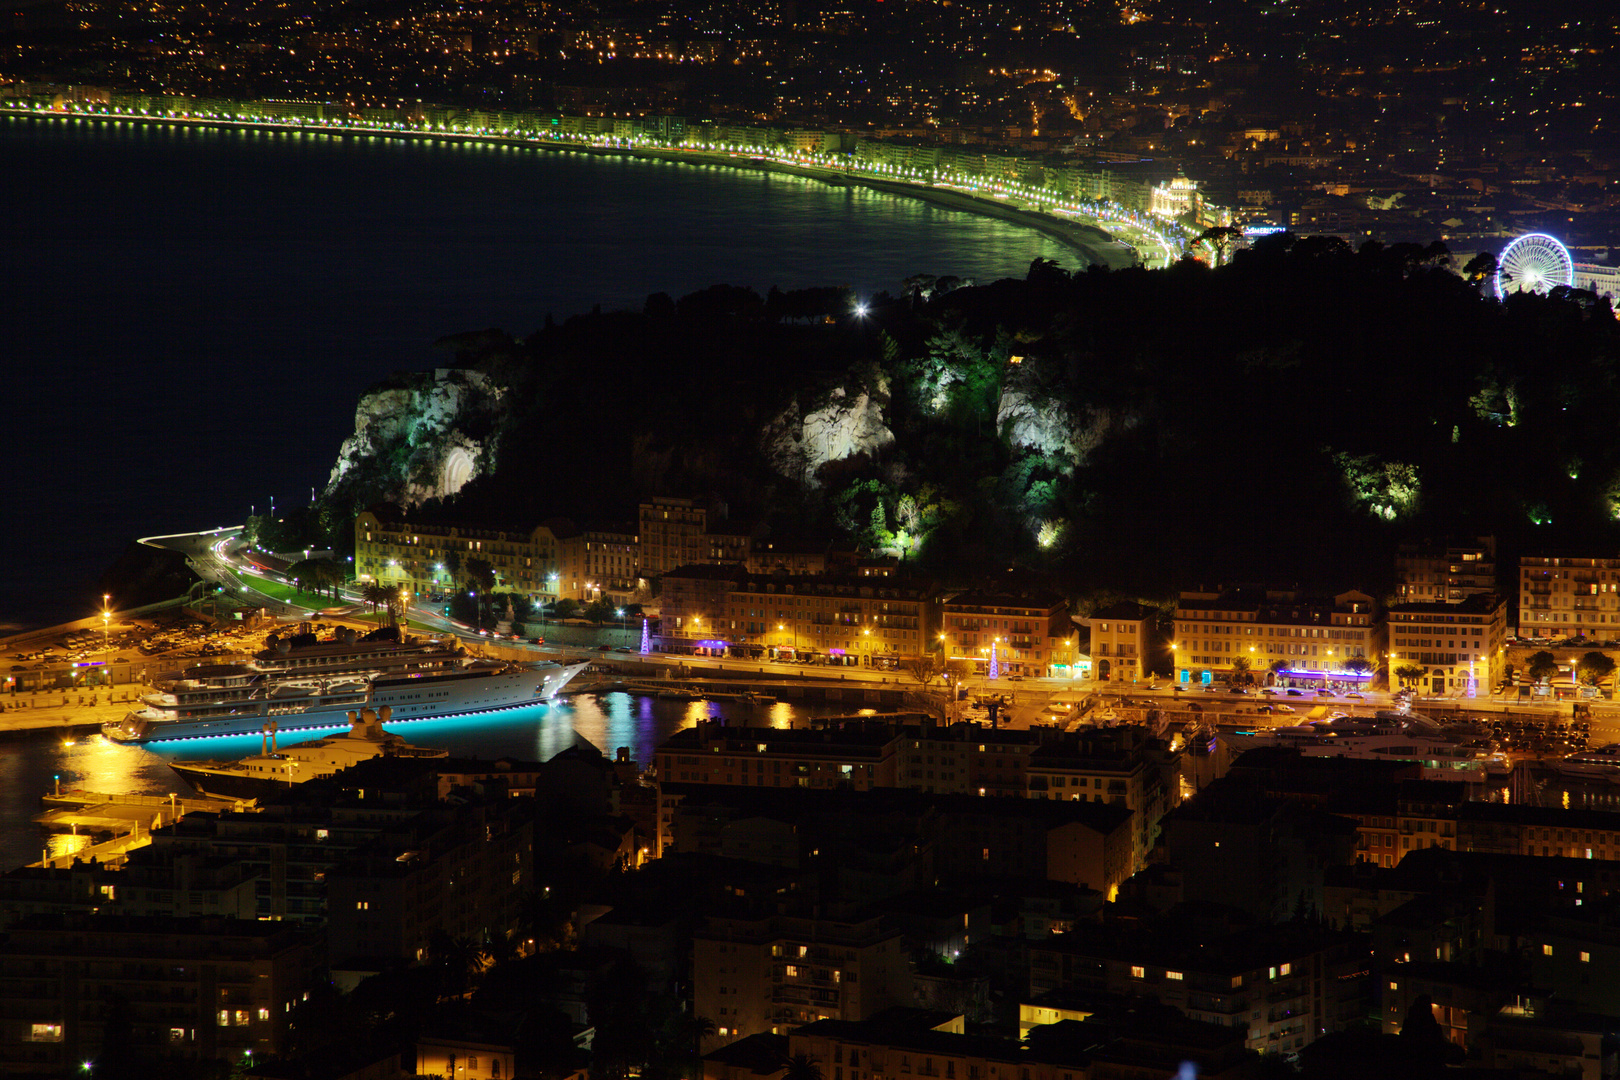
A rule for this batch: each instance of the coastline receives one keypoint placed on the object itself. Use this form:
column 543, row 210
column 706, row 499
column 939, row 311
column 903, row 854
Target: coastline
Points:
column 1095, row 245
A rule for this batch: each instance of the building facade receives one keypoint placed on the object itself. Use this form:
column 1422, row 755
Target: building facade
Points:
column 195, row 988
column 421, row 557
column 1023, row 635
column 1120, row 635
column 682, row 532
column 1568, row 597
column 1448, row 573
column 1304, row 639
column 773, row 974
column 1460, row 646
column 865, row 621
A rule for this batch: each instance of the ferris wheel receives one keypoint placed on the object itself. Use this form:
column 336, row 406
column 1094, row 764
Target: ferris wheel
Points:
column 1534, row 262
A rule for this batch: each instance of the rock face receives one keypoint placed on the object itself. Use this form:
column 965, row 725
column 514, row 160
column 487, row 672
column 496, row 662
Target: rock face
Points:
column 798, row 444
column 1033, row 420
column 411, row 438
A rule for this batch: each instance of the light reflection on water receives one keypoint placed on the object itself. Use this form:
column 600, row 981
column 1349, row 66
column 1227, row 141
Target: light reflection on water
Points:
column 30, row 767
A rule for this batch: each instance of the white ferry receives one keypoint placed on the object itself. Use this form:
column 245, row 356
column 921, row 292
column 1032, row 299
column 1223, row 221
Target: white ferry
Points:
column 305, row 684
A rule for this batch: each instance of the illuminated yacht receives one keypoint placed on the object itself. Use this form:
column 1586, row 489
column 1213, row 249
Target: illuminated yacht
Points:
column 1388, row 736
column 303, row 683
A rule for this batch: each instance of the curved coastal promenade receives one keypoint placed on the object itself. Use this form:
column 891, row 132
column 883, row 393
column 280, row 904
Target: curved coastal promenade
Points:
column 1092, row 242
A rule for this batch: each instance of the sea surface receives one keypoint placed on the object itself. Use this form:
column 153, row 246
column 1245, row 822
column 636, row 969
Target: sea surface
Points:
column 189, row 315
column 32, row 765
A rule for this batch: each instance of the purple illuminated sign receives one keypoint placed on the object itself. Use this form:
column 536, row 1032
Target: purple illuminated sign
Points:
column 1355, row 675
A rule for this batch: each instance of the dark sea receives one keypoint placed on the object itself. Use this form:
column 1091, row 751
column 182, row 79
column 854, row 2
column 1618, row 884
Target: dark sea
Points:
column 190, row 315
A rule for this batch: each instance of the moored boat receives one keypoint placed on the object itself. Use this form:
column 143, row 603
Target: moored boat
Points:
column 277, row 769
column 304, row 684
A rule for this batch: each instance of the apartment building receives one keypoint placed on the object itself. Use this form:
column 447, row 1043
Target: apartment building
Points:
column 1122, row 766
column 197, row 989
column 420, row 556
column 1310, row 640
column 776, row 972
column 1446, row 573
column 1460, row 645
column 1283, row 986
column 1569, row 597
column 683, row 532
column 463, row 872
column 1021, row 635
column 965, row 759
column 855, row 621
column 1120, row 636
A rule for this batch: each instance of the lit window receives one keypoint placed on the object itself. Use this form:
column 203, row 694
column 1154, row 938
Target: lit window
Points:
column 1586, row 957
column 1176, row 975
column 1287, row 969
column 1546, row 950
column 1137, row 972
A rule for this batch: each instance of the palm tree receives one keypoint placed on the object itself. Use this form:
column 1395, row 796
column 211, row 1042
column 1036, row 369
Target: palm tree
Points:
column 375, row 594
column 801, row 1067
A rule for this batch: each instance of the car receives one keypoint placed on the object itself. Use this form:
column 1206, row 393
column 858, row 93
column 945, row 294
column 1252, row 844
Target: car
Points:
column 1324, row 693
column 1295, row 693
column 604, row 648
column 1239, row 689
column 1151, row 686
column 1280, row 707
column 1015, row 678
column 621, row 648
column 537, row 641
column 1269, row 692
column 1353, row 694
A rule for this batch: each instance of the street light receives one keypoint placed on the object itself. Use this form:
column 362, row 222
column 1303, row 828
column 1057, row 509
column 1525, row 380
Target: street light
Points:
column 106, row 637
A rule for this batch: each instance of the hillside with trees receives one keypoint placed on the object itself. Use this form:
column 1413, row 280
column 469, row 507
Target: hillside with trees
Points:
column 1288, row 416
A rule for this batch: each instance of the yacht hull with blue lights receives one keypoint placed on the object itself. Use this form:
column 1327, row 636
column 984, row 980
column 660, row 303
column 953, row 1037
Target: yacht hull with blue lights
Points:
column 407, row 696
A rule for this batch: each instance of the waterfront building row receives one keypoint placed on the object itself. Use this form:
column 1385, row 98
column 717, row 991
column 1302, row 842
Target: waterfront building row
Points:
column 556, row 559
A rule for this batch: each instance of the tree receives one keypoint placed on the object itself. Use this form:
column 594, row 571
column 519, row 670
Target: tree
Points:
column 481, row 575
column 1480, row 269
column 1594, row 667
column 925, row 668
column 375, row 594
column 566, row 608
column 1277, row 667
column 397, row 601
column 957, row 668
column 801, row 1067
column 599, row 611
column 1410, row 672
column 316, row 575
column 1240, row 667
column 1543, row 665
column 1358, row 664
column 1220, row 239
